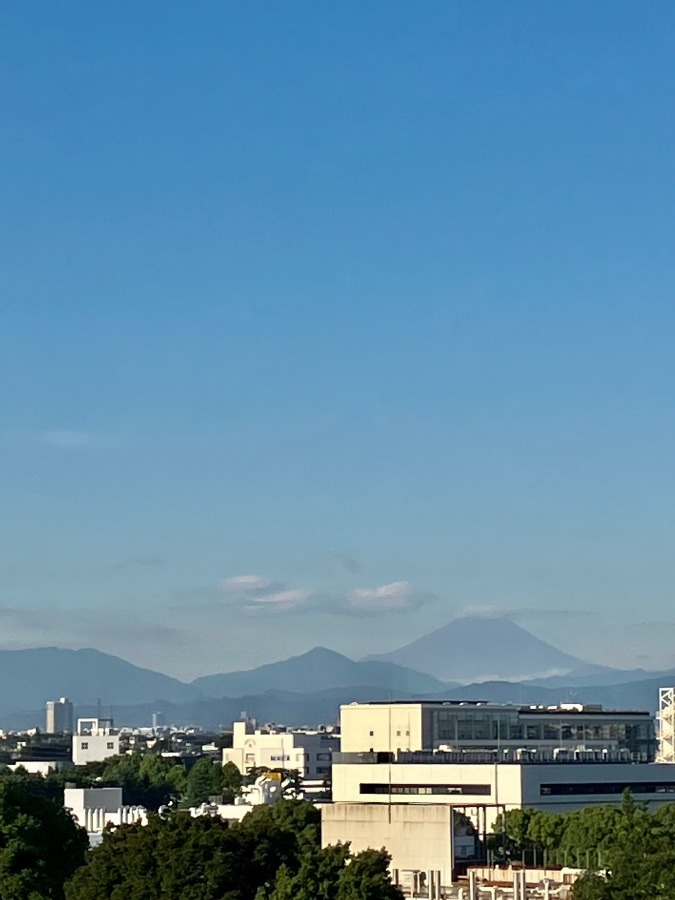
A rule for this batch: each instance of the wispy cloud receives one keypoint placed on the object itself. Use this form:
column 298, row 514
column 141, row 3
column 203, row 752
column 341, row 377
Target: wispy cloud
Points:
column 66, row 439
column 258, row 594
column 394, row 597
column 255, row 593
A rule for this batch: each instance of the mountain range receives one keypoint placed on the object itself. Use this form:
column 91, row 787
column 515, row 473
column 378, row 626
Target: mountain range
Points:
column 496, row 659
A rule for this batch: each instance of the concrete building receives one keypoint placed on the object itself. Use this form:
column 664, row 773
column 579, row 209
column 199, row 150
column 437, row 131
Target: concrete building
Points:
column 307, row 752
column 477, row 725
column 267, row 790
column 495, row 784
column 94, row 808
column 40, row 766
column 94, row 741
column 410, row 775
column 59, row 716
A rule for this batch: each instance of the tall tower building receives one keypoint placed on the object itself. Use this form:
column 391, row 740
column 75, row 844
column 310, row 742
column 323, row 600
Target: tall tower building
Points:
column 59, row 716
column 666, row 752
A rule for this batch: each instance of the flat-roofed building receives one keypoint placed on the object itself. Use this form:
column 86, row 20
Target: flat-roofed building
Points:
column 410, row 774
column 308, row 752
column 477, row 725
column 59, row 716
column 95, row 740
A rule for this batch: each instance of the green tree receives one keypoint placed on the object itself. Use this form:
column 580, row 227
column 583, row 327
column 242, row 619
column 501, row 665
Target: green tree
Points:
column 205, row 779
column 332, row 873
column 185, row 858
column 179, row 858
column 316, row 879
column 232, row 781
column 366, row 877
column 40, row 845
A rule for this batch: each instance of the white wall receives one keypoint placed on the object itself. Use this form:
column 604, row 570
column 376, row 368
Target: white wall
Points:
column 307, row 752
column 94, row 808
column 416, row 837
column 94, row 747
column 385, row 727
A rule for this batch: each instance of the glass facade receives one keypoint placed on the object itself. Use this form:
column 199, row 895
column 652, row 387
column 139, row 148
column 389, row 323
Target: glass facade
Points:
column 489, row 727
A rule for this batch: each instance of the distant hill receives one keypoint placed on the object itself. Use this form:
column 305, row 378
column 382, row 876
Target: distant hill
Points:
column 318, row 669
column 597, row 676
column 313, row 708
column 477, row 649
column 309, row 689
column 31, row 677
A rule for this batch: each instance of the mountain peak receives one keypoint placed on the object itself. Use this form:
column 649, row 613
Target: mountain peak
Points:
column 474, row 648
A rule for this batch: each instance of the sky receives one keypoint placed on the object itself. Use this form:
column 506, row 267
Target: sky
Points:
column 327, row 323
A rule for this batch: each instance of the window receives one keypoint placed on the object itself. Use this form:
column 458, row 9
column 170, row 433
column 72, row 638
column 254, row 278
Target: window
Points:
column 321, row 770
column 110, row 745
column 371, row 733
column 84, row 745
column 474, row 790
column 398, row 734
column 605, row 787
column 322, row 757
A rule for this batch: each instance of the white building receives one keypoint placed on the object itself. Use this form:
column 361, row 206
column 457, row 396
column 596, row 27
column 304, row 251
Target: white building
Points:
column 265, row 791
column 59, row 716
column 477, row 725
column 307, row 752
column 40, row 766
column 394, row 787
column 94, row 808
column 94, row 741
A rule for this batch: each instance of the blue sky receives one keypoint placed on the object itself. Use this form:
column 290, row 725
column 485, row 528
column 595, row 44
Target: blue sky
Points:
column 325, row 323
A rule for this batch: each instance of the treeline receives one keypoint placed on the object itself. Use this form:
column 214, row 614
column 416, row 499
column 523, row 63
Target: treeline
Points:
column 147, row 780
column 628, row 851
column 273, row 854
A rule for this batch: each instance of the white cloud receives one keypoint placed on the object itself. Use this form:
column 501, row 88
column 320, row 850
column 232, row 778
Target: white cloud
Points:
column 257, row 594
column 280, row 601
column 247, row 584
column 66, row 439
column 397, row 595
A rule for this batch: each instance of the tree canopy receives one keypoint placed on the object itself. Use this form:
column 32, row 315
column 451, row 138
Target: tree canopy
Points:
column 40, row 845
column 273, row 854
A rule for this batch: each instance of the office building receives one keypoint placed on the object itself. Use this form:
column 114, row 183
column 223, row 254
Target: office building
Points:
column 59, row 716
column 307, row 752
column 477, row 725
column 410, row 775
column 94, row 741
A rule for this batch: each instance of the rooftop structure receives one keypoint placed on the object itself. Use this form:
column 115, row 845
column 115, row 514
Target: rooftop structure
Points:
column 95, row 740
column 666, row 725
column 457, row 725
